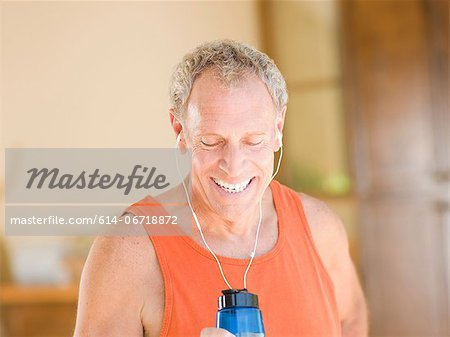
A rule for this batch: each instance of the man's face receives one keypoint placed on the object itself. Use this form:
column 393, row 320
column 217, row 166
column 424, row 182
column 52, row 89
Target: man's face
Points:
column 233, row 135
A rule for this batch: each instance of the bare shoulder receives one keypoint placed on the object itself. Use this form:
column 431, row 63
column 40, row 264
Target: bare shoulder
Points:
column 327, row 229
column 122, row 254
column 330, row 239
column 118, row 276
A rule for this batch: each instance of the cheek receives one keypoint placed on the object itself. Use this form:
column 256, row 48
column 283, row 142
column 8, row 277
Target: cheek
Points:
column 265, row 164
column 263, row 160
column 263, row 156
column 202, row 160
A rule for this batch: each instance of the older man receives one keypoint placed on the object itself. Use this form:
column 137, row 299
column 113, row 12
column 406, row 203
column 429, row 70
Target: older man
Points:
column 228, row 106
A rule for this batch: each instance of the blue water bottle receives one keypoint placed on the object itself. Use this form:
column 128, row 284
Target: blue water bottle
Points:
column 239, row 313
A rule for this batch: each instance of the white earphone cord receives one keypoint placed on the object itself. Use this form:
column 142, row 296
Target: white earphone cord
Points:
column 253, row 253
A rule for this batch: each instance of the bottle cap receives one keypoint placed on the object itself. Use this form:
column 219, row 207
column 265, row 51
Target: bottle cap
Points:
column 237, row 298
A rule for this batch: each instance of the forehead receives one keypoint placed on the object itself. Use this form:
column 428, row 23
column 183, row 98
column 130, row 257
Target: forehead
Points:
column 212, row 103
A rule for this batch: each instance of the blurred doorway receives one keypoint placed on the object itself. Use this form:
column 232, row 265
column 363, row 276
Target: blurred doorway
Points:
column 396, row 69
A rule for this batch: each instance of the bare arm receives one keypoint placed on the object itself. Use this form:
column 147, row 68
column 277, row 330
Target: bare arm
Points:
column 331, row 240
column 349, row 294
column 111, row 289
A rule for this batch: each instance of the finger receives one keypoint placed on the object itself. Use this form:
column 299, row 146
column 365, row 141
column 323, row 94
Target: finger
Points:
column 215, row 332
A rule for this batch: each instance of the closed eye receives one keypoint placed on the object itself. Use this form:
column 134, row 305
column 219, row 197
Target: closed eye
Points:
column 209, row 144
column 255, row 143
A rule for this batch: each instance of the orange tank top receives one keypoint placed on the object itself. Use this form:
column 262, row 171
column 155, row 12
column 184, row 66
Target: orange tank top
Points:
column 296, row 294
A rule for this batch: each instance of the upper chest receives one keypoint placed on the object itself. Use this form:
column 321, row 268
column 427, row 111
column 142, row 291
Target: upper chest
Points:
column 152, row 314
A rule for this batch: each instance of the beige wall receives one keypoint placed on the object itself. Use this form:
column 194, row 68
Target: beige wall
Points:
column 95, row 74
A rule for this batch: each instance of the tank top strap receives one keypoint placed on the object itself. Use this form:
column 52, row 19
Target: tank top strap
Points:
column 297, row 224
column 291, row 210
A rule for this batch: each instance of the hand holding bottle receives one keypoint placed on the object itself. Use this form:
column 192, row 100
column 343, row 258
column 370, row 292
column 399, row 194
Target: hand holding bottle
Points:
column 215, row 332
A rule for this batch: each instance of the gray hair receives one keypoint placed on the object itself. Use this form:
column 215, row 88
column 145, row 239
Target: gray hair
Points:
column 231, row 61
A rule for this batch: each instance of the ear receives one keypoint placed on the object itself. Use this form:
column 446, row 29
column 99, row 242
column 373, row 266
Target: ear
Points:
column 177, row 127
column 280, row 119
column 281, row 115
column 176, row 124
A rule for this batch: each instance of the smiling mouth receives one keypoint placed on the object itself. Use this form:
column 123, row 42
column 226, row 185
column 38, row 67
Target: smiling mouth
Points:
column 232, row 188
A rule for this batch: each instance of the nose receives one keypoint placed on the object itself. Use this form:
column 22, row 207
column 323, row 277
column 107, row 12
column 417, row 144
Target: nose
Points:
column 233, row 160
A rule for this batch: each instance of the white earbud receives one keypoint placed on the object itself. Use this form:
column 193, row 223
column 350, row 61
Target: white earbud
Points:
column 280, row 138
column 179, row 138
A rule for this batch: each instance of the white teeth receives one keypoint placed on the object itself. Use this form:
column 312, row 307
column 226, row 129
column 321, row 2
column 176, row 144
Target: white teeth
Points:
column 232, row 188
